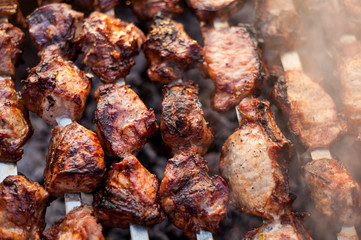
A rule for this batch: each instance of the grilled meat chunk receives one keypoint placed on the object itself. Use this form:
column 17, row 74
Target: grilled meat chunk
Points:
column 109, row 45
column 129, row 195
column 78, row 224
column 333, row 190
column 56, row 88
column 123, row 122
column 75, row 161
column 10, row 9
column 233, row 63
column 15, row 128
column 11, row 41
column 170, row 51
column 91, row 5
column 52, row 29
column 183, row 125
column 191, row 199
column 148, row 9
column 310, row 111
column 254, row 162
column 22, row 208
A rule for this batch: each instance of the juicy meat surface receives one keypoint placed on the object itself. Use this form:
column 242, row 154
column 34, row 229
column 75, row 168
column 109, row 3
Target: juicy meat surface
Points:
column 108, row 46
column 97, row 5
column 52, row 28
column 233, row 63
column 128, row 196
column 22, row 208
column 10, row 9
column 310, row 111
column 79, row 224
column 15, row 128
column 123, row 122
column 254, row 162
column 75, row 161
column 11, row 42
column 183, row 125
column 148, row 9
column 335, row 193
column 56, row 88
column 170, row 51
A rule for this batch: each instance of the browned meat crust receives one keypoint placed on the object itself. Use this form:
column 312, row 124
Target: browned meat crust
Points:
column 22, row 208
column 109, row 45
column 129, row 195
column 75, row 161
column 15, row 128
column 148, row 9
column 191, row 199
column 10, row 9
column 170, row 51
column 78, row 224
column 56, row 88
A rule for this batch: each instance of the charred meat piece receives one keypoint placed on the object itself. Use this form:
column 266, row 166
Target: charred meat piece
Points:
column 109, row 45
column 170, row 51
column 310, row 111
column 56, row 88
column 98, row 5
column 129, row 195
column 78, row 224
column 52, row 29
column 254, row 162
column 123, row 122
column 233, row 63
column 333, row 190
column 22, row 208
column 191, row 199
column 75, row 161
column 10, row 9
column 15, row 128
column 11, row 41
column 148, row 9
column 183, row 125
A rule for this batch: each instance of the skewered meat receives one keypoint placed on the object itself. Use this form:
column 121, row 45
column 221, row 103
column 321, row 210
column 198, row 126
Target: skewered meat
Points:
column 170, row 51
column 10, row 9
column 209, row 10
column 278, row 23
column 15, row 128
column 75, row 161
column 183, row 125
column 123, row 122
column 109, row 45
column 310, row 111
column 52, row 29
column 191, row 199
column 78, row 224
column 22, row 208
column 98, row 5
column 148, row 9
column 56, row 88
column 11, row 41
column 254, row 162
column 334, row 191
column 233, row 63
column 129, row 195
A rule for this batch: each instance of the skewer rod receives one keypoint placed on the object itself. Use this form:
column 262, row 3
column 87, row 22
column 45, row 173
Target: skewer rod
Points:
column 138, row 232
column 7, row 169
column 204, row 235
column 72, row 200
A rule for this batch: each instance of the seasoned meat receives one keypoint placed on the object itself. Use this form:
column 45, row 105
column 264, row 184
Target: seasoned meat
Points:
column 183, row 125
column 333, row 190
column 278, row 24
column 78, row 224
column 15, row 128
column 233, row 63
column 56, row 88
column 254, row 162
column 148, row 9
column 209, row 10
column 75, row 161
column 98, row 5
column 170, row 51
column 52, row 29
column 128, row 196
column 22, row 208
column 11, row 41
column 10, row 9
column 109, row 45
column 310, row 111
column 123, row 122
column 190, row 197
